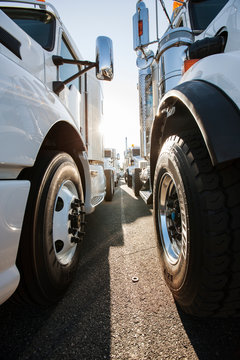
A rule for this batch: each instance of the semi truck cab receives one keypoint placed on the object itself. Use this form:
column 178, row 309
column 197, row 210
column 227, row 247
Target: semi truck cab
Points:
column 194, row 148
column 51, row 155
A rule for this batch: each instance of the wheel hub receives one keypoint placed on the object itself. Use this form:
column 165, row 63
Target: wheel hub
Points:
column 170, row 218
column 68, row 222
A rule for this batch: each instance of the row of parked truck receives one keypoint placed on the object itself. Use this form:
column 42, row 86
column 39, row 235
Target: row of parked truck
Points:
column 53, row 169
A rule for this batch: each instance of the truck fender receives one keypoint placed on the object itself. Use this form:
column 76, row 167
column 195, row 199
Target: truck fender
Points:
column 198, row 104
column 30, row 115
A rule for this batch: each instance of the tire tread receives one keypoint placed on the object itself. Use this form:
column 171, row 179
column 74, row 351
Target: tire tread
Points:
column 219, row 194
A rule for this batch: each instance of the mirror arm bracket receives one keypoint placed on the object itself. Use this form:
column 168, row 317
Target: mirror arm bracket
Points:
column 59, row 60
column 141, row 48
column 59, row 85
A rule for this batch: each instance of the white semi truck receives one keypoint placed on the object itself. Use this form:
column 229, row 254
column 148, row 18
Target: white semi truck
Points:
column 195, row 151
column 51, row 154
column 134, row 163
column 111, row 170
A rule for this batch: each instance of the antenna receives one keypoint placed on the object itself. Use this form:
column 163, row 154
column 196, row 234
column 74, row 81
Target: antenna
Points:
column 166, row 13
column 156, row 4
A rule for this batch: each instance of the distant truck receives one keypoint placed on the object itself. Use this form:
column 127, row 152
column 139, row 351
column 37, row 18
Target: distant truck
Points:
column 111, row 170
column 195, row 150
column 51, row 154
column 133, row 163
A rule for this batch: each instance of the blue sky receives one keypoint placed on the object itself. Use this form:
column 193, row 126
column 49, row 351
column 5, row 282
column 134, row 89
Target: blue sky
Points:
column 85, row 20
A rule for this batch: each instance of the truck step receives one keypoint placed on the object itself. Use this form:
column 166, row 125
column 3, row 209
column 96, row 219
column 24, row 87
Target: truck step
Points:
column 96, row 200
column 147, row 196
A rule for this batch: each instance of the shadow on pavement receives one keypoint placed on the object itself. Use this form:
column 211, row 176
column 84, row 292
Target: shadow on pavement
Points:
column 213, row 338
column 78, row 327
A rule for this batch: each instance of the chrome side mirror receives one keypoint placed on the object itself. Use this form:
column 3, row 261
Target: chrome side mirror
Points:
column 104, row 58
column 140, row 26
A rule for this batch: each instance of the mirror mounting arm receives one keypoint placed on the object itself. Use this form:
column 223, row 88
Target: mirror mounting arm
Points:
column 58, row 86
column 59, row 60
column 151, row 42
column 141, row 48
column 166, row 13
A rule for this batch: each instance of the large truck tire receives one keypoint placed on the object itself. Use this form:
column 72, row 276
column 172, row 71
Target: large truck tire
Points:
column 129, row 180
column 53, row 226
column 136, row 181
column 196, row 215
column 109, row 184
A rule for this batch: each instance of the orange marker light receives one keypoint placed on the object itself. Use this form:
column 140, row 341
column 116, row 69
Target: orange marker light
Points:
column 41, row 0
column 188, row 63
column 176, row 5
column 140, row 28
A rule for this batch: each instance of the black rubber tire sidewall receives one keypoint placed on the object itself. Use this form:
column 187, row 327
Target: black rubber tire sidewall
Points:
column 109, row 184
column 43, row 279
column 129, row 180
column 136, row 183
column 182, row 278
column 57, row 276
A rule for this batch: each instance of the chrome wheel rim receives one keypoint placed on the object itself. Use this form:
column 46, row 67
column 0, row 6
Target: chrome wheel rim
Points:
column 63, row 245
column 170, row 218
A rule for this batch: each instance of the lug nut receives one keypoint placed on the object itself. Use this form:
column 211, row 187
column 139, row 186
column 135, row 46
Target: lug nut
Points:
column 72, row 231
column 75, row 239
column 74, row 206
column 77, row 202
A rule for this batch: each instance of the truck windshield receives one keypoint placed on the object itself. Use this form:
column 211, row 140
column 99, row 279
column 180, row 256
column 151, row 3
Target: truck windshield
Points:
column 107, row 153
column 202, row 12
column 38, row 24
column 136, row 152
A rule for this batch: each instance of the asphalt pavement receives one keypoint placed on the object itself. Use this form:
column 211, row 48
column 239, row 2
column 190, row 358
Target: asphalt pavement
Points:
column 118, row 306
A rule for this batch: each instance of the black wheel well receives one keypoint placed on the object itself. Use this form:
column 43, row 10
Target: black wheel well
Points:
column 61, row 137
column 201, row 106
column 174, row 119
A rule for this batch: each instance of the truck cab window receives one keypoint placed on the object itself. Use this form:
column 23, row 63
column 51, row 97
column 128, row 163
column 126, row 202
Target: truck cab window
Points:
column 180, row 23
column 136, row 152
column 107, row 153
column 203, row 12
column 67, row 70
column 38, row 24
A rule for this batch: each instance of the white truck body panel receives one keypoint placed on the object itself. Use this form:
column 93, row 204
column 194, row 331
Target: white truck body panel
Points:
column 95, row 137
column 34, row 111
column 213, row 69
column 12, row 206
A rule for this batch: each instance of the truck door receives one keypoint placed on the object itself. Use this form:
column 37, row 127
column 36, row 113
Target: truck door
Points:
column 71, row 95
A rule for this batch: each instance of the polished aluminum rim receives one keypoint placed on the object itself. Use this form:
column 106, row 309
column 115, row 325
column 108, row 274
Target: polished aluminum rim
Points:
column 63, row 245
column 169, row 218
